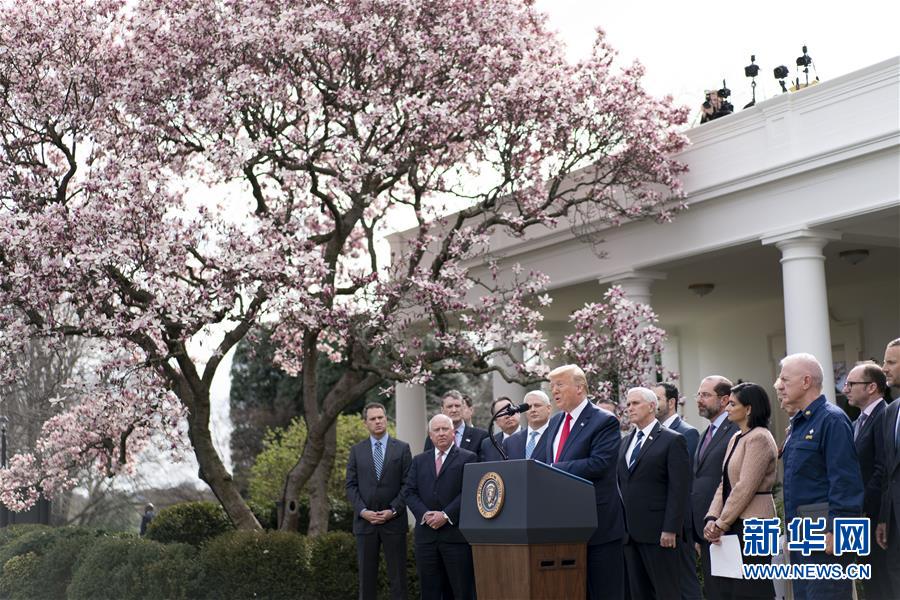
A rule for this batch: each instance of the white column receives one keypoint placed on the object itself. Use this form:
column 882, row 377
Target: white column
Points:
column 501, row 387
column 409, row 407
column 635, row 283
column 806, row 321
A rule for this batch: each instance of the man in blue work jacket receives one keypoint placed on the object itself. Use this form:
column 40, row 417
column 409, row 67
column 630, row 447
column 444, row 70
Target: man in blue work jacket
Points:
column 820, row 466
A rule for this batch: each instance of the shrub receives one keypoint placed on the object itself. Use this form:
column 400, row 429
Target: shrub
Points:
column 18, row 572
column 114, row 568
column 176, row 575
column 57, row 560
column 265, row 513
column 333, row 567
column 11, row 533
column 189, row 523
column 252, row 564
column 37, row 539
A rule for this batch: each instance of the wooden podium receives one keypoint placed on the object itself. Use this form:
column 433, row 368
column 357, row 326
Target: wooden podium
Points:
column 528, row 525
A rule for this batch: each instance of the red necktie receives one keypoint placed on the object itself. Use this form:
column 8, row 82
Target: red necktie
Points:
column 438, row 463
column 563, row 437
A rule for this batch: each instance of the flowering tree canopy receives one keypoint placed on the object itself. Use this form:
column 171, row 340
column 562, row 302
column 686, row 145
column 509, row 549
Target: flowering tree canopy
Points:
column 617, row 343
column 174, row 172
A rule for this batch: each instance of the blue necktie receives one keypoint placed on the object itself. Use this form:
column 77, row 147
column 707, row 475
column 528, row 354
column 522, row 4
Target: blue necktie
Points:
column 636, row 451
column 529, row 448
column 378, row 457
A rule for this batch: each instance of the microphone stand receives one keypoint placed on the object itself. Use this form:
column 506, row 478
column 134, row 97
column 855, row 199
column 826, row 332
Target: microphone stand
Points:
column 499, row 447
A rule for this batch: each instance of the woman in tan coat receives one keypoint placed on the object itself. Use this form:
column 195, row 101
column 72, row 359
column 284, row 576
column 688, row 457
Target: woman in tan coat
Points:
column 748, row 475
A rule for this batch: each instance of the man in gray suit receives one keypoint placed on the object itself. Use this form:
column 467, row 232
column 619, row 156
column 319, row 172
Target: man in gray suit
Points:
column 376, row 470
column 667, row 415
column 712, row 397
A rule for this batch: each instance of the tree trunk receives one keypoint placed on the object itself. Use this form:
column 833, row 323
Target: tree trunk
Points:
column 319, row 503
column 212, row 471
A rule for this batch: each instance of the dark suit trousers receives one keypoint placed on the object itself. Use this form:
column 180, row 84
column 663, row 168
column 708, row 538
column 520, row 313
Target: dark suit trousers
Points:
column 367, row 550
column 690, row 585
column 654, row 572
column 436, row 560
column 879, row 587
column 893, row 555
column 711, row 589
column 606, row 571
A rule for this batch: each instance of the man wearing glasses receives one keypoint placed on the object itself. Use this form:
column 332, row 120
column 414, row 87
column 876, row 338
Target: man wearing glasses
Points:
column 712, row 397
column 865, row 389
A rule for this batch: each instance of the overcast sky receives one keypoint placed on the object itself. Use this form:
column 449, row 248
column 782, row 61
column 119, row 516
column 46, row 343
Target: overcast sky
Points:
column 689, row 46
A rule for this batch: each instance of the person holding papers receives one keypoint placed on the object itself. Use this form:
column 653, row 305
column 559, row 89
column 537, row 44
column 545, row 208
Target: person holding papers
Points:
column 748, row 475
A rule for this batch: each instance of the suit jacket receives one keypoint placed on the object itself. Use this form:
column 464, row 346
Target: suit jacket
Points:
column 655, row 491
column 890, row 484
column 427, row 491
column 591, row 452
column 752, row 473
column 708, row 474
column 690, row 433
column 488, row 452
column 515, row 446
column 471, row 440
column 364, row 490
column 870, row 452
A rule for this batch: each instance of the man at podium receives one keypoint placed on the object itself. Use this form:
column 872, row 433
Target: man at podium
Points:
column 584, row 440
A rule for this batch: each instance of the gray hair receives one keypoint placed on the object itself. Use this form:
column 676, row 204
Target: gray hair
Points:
column 894, row 343
column 809, row 364
column 538, row 394
column 440, row 417
column 646, row 395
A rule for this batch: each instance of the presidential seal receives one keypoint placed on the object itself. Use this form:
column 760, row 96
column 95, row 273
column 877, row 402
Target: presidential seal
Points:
column 489, row 495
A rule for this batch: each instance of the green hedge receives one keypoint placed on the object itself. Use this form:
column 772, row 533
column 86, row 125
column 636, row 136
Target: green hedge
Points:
column 189, row 523
column 251, row 564
column 78, row 563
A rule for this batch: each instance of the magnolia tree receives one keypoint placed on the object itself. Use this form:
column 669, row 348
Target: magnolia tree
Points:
column 617, row 343
column 176, row 171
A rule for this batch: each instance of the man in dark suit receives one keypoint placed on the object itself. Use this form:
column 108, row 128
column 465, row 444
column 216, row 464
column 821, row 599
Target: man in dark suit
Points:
column 712, row 397
column 584, row 440
column 667, row 415
column 508, row 424
column 531, row 441
column 464, row 436
column 887, row 532
column 864, row 389
column 654, row 474
column 432, row 493
column 376, row 471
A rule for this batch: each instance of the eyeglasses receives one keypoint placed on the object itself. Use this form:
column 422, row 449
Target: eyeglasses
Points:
column 852, row 383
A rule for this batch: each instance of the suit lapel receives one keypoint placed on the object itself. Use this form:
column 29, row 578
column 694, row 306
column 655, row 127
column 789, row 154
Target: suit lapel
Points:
column 654, row 435
column 366, row 461
column 720, row 434
column 623, row 451
column 577, row 428
column 451, row 454
column 890, row 424
column 675, row 424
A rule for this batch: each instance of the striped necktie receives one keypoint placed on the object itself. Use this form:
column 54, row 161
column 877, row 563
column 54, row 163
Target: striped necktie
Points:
column 378, row 457
column 529, row 448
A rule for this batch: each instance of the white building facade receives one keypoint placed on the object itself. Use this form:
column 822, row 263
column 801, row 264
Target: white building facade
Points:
column 793, row 218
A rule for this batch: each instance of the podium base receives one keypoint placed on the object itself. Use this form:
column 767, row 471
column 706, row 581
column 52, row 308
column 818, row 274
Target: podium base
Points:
column 535, row 571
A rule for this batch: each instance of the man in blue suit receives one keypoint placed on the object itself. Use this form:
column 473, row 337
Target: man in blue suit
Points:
column 432, row 493
column 667, row 415
column 531, row 441
column 584, row 440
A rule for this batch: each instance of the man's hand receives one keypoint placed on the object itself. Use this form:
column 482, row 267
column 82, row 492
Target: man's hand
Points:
column 829, row 543
column 667, row 539
column 386, row 515
column 881, row 535
column 372, row 517
column 435, row 519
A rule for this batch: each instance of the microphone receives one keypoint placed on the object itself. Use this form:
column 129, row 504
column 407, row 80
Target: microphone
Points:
column 512, row 409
